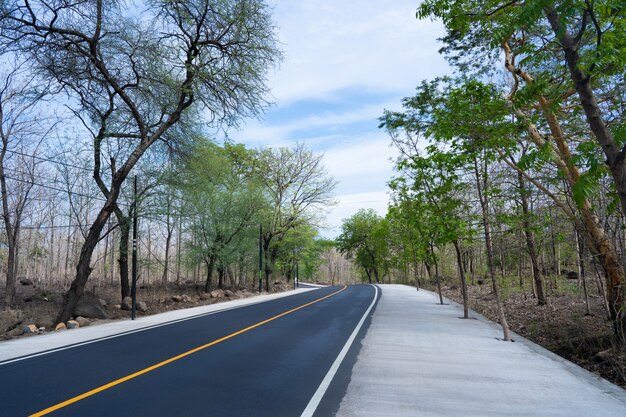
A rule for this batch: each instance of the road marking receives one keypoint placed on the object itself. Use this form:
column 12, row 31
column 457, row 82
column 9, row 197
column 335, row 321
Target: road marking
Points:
column 175, row 358
column 321, row 390
column 141, row 329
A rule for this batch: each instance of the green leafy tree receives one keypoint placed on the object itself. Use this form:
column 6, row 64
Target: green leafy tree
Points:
column 298, row 189
column 224, row 202
column 364, row 237
column 564, row 59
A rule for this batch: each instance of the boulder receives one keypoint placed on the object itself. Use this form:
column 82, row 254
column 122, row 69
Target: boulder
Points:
column 103, row 302
column 10, row 319
column 205, row 296
column 217, row 294
column 228, row 293
column 186, row 298
column 18, row 331
column 177, row 298
column 26, row 281
column 127, row 303
column 73, row 324
column 29, row 328
column 60, row 326
column 142, row 306
column 82, row 321
column 90, row 308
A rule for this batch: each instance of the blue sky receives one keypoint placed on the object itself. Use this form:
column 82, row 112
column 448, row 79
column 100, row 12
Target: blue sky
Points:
column 345, row 62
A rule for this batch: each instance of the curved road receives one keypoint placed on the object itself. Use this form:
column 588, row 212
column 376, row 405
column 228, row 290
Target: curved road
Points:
column 265, row 359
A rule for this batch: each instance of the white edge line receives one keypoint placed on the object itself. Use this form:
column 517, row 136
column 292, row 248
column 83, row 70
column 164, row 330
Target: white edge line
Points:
column 127, row 332
column 321, row 390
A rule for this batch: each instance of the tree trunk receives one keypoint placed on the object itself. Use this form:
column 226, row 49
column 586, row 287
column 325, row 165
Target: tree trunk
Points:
column 220, row 276
column 484, row 203
column 530, row 242
column 210, row 265
column 459, row 261
column 437, row 277
column 581, row 269
column 124, row 224
column 83, row 267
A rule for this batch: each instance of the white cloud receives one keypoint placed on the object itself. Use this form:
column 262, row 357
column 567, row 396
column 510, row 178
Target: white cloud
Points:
column 340, row 52
column 349, row 204
column 332, row 44
column 361, row 158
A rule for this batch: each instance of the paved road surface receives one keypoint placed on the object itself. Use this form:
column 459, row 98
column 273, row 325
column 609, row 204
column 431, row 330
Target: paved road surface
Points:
column 266, row 359
column 420, row 359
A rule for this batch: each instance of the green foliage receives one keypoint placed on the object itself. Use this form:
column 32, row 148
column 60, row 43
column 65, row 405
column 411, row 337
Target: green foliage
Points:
column 364, row 238
column 223, row 202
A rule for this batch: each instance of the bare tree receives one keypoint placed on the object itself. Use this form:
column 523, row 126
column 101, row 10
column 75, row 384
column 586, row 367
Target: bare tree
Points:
column 20, row 133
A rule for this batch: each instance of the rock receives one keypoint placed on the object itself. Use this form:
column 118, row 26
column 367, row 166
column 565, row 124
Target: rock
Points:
column 73, row 324
column 10, row 319
column 177, row 298
column 18, row 331
column 186, row 298
column 217, row 294
column 142, row 306
column 205, row 296
column 228, row 293
column 26, row 281
column 90, row 308
column 244, row 290
column 60, row 326
column 103, row 302
column 29, row 328
column 127, row 303
column 82, row 321
column 41, row 329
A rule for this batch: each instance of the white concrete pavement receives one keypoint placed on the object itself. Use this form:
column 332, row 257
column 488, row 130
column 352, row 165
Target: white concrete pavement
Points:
column 419, row 358
column 12, row 350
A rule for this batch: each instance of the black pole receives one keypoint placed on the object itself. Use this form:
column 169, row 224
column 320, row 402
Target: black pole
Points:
column 133, row 291
column 260, row 258
column 297, row 274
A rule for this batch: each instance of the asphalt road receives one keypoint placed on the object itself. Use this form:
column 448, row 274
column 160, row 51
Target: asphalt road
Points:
column 266, row 359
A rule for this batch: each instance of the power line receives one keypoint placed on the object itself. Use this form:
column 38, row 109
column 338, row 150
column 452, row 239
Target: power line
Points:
column 41, row 158
column 65, row 191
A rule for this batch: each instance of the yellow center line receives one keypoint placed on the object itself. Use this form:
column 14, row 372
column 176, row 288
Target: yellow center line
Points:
column 174, row 358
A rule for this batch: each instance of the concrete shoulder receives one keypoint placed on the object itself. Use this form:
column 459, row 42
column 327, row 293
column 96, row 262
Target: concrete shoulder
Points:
column 421, row 358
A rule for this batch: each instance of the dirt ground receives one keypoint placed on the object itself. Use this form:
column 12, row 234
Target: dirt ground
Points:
column 561, row 326
column 40, row 306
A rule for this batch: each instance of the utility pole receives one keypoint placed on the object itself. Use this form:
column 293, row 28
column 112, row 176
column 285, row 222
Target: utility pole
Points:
column 133, row 291
column 260, row 258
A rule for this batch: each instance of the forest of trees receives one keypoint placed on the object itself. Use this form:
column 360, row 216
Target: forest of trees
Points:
column 514, row 168
column 92, row 97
